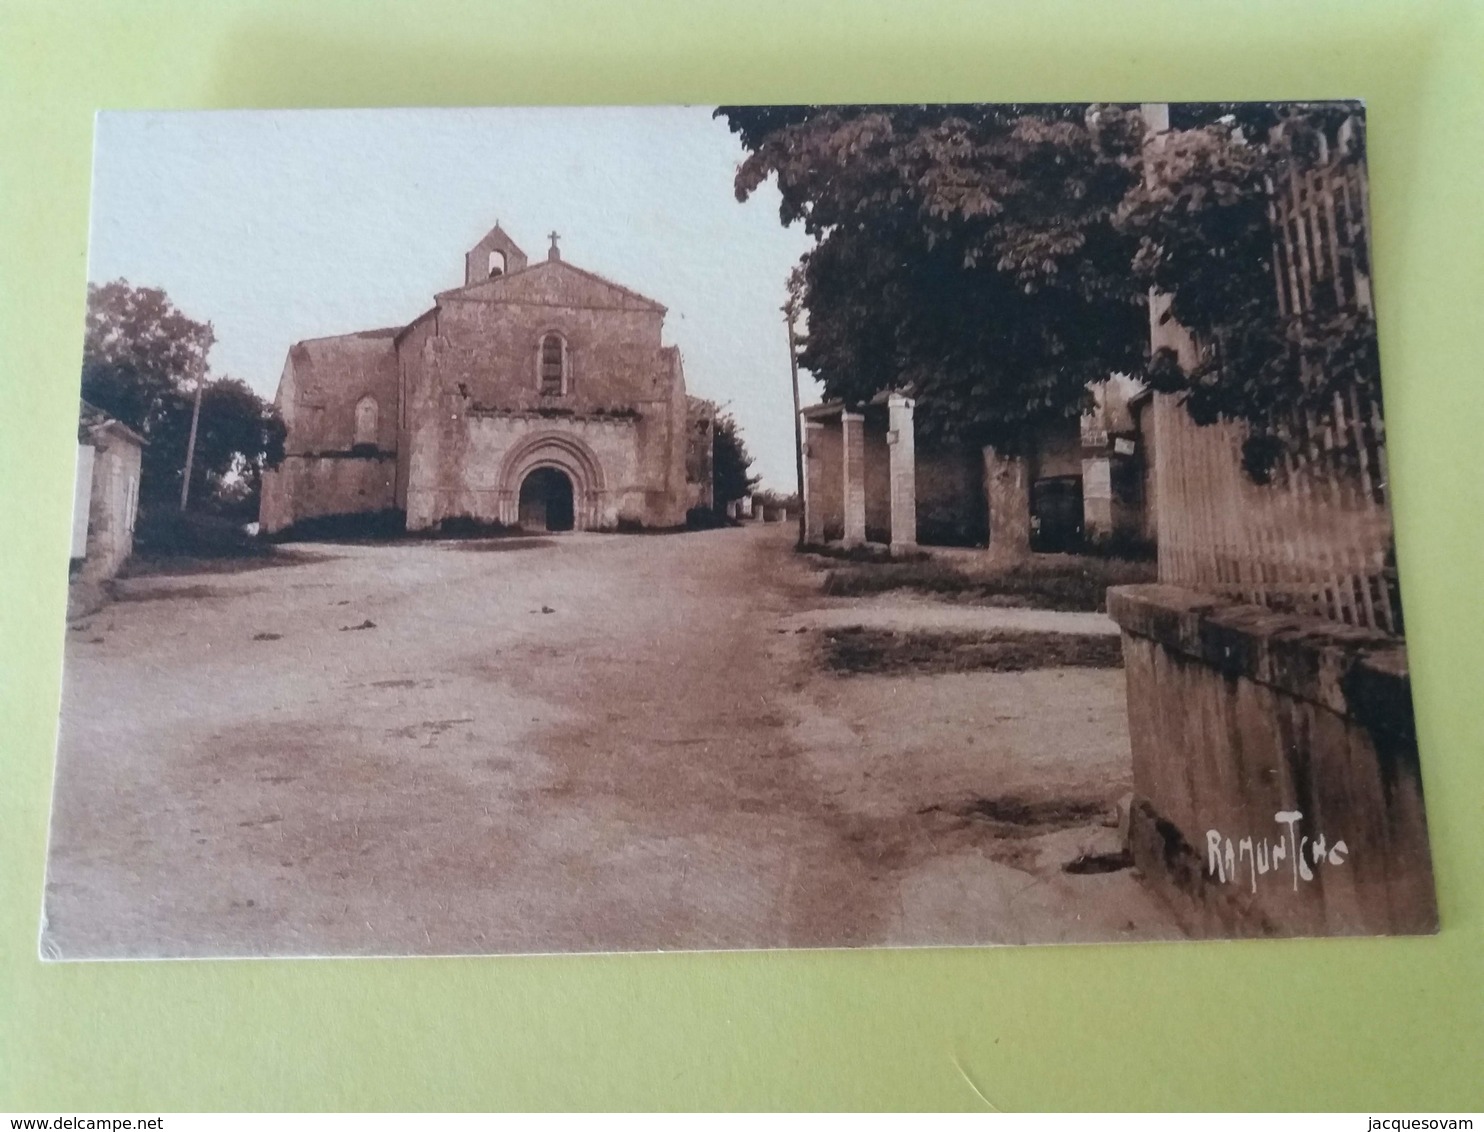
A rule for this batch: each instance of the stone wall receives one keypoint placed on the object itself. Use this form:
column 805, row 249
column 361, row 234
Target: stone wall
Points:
column 951, row 509
column 323, row 381
column 877, row 477
column 313, row 487
column 1276, row 780
column 457, row 389
column 859, row 474
column 825, row 475
column 619, row 428
column 113, row 504
column 413, row 351
column 325, row 471
column 1057, row 451
column 484, row 457
column 665, row 443
column 613, row 355
column 963, row 493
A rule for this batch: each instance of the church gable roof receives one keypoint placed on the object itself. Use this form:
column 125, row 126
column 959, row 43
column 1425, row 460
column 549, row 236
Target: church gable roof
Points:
column 321, row 363
column 497, row 237
column 554, row 283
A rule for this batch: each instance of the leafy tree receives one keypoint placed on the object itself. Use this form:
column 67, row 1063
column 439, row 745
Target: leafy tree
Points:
column 789, row 499
column 142, row 361
column 140, row 352
column 239, row 435
column 730, row 462
column 1206, row 238
column 969, row 252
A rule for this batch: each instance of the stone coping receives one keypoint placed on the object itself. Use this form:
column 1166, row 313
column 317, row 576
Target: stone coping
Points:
column 1357, row 673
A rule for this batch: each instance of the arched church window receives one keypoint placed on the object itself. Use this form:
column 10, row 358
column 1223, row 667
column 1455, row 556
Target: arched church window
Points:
column 497, row 264
column 553, row 365
column 367, row 419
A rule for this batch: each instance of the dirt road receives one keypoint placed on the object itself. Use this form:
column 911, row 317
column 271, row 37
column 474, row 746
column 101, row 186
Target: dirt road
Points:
column 577, row 742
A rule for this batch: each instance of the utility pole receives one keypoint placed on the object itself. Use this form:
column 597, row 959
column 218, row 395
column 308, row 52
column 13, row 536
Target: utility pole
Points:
column 185, row 480
column 790, row 313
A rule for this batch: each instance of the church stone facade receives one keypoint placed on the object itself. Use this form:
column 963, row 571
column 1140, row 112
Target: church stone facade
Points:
column 536, row 395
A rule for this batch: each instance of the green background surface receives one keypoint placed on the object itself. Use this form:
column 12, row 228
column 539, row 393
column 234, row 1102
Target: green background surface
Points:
column 1361, row 1024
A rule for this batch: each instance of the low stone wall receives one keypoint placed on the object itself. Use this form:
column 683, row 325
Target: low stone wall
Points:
column 1276, row 781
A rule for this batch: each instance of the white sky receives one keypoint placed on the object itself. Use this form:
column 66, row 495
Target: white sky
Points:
column 277, row 226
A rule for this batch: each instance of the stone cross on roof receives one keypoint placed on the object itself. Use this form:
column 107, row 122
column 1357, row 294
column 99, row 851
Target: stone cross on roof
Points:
column 555, row 252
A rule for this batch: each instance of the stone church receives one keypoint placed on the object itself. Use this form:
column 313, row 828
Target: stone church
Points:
column 535, row 395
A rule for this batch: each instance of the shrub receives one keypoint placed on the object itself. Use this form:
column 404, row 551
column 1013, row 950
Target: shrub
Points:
column 467, row 526
column 165, row 532
column 390, row 523
column 705, row 519
column 887, row 651
column 865, row 552
column 1062, row 582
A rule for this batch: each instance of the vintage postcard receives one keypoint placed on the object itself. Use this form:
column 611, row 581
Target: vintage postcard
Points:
column 548, row 530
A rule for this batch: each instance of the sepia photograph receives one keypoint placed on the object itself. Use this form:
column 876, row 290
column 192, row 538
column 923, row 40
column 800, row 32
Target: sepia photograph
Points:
column 585, row 529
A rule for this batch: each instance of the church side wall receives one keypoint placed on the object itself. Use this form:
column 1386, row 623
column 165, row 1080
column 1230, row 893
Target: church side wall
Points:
column 412, row 351
column 329, row 378
column 311, row 487
column 667, row 502
column 324, row 472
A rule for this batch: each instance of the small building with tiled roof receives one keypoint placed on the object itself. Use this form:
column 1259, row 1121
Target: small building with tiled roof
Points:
column 538, row 395
column 106, row 495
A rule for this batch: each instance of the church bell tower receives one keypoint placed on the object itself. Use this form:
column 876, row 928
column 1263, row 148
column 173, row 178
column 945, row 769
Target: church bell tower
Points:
column 495, row 255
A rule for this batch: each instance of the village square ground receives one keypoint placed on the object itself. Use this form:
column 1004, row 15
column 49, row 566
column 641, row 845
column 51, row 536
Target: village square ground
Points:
column 570, row 742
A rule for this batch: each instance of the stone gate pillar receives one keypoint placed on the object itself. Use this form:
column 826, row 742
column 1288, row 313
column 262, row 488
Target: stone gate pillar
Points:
column 853, row 477
column 1097, row 497
column 902, row 445
column 1008, row 491
column 813, row 484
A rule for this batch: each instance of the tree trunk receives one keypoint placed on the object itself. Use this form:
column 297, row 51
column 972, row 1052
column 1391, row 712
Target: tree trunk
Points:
column 1007, row 490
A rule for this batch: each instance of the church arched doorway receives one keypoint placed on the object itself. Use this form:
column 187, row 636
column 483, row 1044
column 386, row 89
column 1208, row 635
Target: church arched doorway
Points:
column 546, row 501
column 552, row 481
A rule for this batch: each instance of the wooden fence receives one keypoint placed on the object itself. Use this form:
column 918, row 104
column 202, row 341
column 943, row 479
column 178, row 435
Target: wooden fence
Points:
column 1315, row 540
column 1321, row 237
column 1318, row 538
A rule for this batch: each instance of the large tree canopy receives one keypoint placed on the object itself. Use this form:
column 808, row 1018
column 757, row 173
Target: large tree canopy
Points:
column 997, row 259
column 969, row 252
column 139, row 352
column 142, row 360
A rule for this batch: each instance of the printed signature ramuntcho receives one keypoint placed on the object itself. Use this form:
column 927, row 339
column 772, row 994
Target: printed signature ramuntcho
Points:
column 1225, row 859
